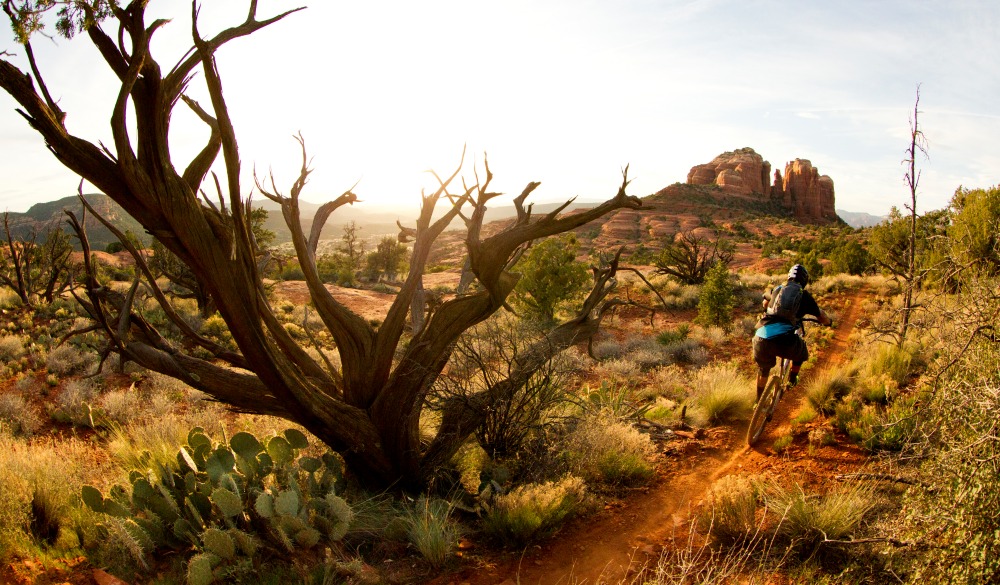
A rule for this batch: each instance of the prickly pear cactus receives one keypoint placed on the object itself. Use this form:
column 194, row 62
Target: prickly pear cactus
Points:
column 216, row 495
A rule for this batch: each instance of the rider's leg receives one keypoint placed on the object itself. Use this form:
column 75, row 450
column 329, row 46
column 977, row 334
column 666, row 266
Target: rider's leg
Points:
column 793, row 373
column 764, row 357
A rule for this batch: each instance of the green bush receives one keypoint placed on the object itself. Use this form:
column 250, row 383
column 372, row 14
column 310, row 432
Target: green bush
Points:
column 715, row 303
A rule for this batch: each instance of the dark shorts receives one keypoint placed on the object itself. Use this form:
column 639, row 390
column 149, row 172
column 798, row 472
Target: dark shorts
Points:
column 767, row 351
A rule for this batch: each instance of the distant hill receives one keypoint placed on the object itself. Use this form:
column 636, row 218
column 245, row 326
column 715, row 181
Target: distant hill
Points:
column 858, row 219
column 43, row 216
column 376, row 222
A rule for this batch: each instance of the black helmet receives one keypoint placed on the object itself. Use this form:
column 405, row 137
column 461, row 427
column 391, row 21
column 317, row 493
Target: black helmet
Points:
column 798, row 274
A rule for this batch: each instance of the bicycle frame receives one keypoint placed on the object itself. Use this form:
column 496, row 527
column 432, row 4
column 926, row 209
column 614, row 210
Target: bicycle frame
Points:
column 776, row 385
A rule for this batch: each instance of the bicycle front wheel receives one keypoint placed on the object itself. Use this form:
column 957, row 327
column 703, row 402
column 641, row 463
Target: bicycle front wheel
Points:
column 759, row 418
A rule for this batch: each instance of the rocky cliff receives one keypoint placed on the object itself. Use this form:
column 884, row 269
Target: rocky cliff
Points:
column 743, row 172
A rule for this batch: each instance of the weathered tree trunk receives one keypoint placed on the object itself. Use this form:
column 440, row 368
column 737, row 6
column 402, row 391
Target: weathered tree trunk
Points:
column 369, row 411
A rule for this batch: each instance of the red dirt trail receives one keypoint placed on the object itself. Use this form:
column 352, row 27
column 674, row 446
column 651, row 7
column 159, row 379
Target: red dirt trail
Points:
column 615, row 543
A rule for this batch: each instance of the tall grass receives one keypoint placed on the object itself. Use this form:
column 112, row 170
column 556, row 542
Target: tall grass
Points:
column 431, row 530
column 807, row 520
column 730, row 513
column 826, row 388
column 38, row 483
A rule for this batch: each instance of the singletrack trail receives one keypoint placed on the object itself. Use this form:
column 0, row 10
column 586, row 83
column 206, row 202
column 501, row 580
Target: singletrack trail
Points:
column 607, row 547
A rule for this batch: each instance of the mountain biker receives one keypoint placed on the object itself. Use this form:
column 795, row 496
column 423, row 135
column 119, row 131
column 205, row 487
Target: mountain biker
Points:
column 784, row 307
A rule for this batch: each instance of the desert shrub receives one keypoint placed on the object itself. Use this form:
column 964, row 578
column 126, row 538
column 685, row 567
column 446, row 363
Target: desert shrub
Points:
column 955, row 512
column 215, row 328
column 17, row 415
column 745, row 327
column 806, row 415
column 671, row 336
column 669, row 381
column 898, row 363
column 76, row 403
column 686, row 351
column 715, row 303
column 603, row 450
column 607, row 349
column 122, row 406
column 711, row 335
column 11, row 348
column 431, row 530
column 783, row 442
column 482, row 360
column 647, row 359
column 8, row 298
column 730, row 512
column 806, row 520
column 722, row 394
column 609, row 399
column 835, row 283
column 664, row 411
column 67, row 360
column 618, row 370
column 533, row 511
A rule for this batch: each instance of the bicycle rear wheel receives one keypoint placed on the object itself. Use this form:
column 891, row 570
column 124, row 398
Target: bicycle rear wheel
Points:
column 759, row 418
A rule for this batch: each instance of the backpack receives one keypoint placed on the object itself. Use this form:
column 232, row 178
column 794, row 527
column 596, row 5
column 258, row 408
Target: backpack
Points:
column 785, row 301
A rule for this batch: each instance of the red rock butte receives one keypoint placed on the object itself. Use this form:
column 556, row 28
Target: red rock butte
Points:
column 743, row 172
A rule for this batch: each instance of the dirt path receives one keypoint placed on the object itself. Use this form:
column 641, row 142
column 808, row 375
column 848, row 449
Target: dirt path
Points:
column 606, row 547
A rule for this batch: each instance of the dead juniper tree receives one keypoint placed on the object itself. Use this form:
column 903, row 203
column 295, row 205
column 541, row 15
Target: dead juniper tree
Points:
column 369, row 409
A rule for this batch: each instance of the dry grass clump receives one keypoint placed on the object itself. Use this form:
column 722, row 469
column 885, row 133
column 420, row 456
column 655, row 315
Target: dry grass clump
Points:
column 607, row 349
column 533, row 511
column 722, row 394
column 709, row 335
column 618, row 370
column 148, row 444
column 11, row 348
column 122, row 406
column 836, row 283
column 431, row 530
column 829, row 386
column 730, row 512
column 66, row 360
column 807, row 520
column 17, row 416
column 668, row 381
column 38, row 482
column 604, row 450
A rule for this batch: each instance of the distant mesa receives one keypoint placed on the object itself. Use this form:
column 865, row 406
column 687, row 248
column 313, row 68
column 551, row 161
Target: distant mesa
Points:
column 743, row 172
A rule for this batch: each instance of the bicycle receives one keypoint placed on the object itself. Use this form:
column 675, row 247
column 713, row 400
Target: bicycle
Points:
column 776, row 386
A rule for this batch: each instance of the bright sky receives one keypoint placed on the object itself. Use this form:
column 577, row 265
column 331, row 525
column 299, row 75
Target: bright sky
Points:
column 566, row 92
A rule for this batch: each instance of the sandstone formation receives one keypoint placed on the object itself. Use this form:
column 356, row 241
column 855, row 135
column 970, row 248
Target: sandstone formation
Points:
column 743, row 172
column 807, row 193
